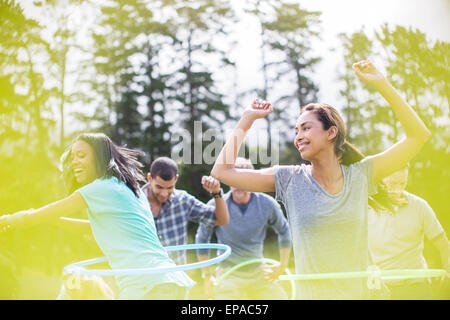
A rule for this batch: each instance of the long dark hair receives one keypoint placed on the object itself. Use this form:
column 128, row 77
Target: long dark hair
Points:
column 110, row 161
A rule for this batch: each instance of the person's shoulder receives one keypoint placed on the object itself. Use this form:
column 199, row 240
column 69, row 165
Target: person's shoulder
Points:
column 414, row 199
column 104, row 186
column 360, row 167
column 261, row 196
column 266, row 200
column 181, row 192
column 180, row 195
column 104, row 182
column 226, row 195
column 360, row 163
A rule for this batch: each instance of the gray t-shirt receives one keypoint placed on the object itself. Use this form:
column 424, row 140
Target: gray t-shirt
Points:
column 329, row 232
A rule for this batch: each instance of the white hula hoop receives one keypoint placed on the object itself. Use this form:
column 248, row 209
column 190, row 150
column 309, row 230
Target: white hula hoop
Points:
column 77, row 268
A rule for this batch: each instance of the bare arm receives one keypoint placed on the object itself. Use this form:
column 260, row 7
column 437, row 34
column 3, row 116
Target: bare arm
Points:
column 222, row 217
column 246, row 179
column 284, row 258
column 272, row 272
column 74, row 225
column 67, row 207
column 221, row 212
column 417, row 134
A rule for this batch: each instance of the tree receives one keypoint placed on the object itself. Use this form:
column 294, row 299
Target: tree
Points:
column 287, row 32
column 25, row 120
column 128, row 42
column 362, row 111
column 420, row 68
column 28, row 157
column 201, row 28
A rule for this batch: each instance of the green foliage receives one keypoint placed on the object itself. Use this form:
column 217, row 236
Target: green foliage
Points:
column 287, row 32
column 151, row 69
column 419, row 69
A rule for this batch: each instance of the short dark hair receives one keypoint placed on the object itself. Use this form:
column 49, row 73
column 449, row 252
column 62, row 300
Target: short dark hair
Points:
column 164, row 167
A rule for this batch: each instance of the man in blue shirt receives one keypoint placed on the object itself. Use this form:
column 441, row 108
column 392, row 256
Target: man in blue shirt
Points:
column 250, row 214
column 172, row 209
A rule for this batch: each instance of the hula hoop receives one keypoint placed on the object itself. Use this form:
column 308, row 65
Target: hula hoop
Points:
column 77, row 267
column 383, row 274
column 263, row 260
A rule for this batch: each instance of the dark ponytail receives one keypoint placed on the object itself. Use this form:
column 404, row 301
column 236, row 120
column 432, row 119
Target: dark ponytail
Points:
column 350, row 154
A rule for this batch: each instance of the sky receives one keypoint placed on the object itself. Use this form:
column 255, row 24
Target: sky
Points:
column 432, row 17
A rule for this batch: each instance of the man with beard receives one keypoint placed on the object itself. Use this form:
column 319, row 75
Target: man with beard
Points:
column 172, row 209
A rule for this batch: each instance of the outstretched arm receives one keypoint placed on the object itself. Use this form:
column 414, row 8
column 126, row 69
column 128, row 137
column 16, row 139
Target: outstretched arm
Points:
column 246, row 179
column 82, row 226
column 417, row 134
column 28, row 218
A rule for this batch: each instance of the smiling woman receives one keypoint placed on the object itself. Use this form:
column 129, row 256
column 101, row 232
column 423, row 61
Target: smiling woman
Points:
column 83, row 162
column 327, row 201
column 104, row 180
column 94, row 155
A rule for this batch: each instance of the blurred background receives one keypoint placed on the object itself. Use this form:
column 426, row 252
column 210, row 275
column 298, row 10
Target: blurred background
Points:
column 143, row 71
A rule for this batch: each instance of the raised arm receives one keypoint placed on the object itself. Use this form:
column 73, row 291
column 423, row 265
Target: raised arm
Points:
column 245, row 179
column 417, row 134
column 221, row 210
column 28, row 218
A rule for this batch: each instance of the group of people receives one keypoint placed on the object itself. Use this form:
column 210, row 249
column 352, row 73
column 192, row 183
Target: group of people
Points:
column 344, row 211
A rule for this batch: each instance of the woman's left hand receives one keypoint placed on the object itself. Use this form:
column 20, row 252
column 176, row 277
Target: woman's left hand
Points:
column 367, row 72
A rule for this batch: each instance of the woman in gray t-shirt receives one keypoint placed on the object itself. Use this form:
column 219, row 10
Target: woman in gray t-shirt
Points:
column 326, row 201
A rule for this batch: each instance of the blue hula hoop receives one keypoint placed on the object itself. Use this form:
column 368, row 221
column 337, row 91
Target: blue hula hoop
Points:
column 78, row 267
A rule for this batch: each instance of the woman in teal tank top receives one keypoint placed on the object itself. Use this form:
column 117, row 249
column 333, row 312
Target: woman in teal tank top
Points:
column 103, row 179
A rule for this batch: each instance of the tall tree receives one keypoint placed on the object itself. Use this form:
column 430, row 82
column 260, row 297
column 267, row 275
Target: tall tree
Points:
column 420, row 68
column 28, row 157
column 128, row 42
column 362, row 111
column 202, row 28
column 201, row 24
column 287, row 32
